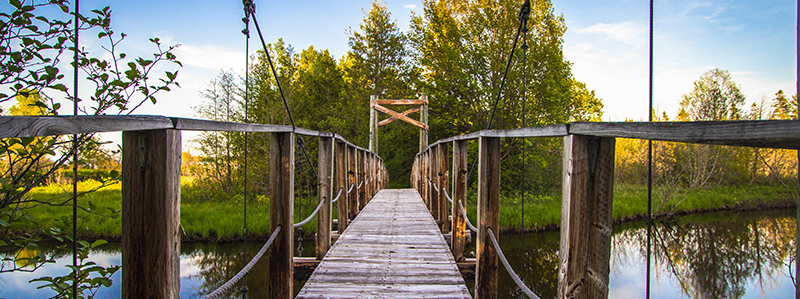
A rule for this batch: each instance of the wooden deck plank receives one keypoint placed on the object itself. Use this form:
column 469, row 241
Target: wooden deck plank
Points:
column 393, row 249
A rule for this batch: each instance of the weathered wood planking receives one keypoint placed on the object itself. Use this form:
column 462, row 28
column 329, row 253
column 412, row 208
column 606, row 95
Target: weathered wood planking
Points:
column 393, row 249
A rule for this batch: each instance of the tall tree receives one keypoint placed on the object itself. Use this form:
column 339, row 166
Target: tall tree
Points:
column 715, row 97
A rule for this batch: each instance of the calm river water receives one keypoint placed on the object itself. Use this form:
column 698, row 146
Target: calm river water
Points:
column 718, row 255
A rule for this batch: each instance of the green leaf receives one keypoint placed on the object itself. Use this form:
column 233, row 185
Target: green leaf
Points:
column 15, row 3
column 3, row 223
column 98, row 243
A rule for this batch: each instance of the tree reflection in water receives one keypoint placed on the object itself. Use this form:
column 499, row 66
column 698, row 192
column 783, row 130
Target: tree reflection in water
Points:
column 719, row 255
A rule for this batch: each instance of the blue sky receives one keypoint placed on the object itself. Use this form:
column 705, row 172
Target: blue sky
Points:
column 606, row 41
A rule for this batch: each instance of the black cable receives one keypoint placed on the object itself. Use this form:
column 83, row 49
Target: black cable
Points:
column 278, row 82
column 523, row 17
column 524, row 142
column 650, row 161
column 249, row 7
column 75, row 159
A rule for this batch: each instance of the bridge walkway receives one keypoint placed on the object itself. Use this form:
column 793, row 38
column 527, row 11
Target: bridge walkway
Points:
column 393, row 249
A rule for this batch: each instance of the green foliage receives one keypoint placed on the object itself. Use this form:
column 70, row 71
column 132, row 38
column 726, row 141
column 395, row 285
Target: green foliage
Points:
column 90, row 275
column 32, row 44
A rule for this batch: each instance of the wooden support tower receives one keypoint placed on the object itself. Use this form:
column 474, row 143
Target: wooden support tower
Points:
column 418, row 105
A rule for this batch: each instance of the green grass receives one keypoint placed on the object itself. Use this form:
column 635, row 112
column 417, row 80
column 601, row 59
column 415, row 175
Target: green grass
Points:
column 223, row 219
column 204, row 219
column 542, row 211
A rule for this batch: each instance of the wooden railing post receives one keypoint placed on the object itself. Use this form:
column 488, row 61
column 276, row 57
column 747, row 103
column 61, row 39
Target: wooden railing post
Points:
column 434, row 178
column 151, row 176
column 281, row 179
column 424, row 179
column 342, row 182
column 352, row 173
column 459, row 195
column 488, row 212
column 588, row 175
column 443, row 178
column 362, row 176
column 324, row 194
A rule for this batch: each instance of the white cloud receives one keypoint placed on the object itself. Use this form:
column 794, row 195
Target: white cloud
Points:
column 410, row 6
column 210, row 57
column 626, row 32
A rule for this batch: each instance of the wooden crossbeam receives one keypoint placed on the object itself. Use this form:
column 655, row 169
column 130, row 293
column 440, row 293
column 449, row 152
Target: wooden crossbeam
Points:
column 400, row 102
column 392, row 119
column 400, row 116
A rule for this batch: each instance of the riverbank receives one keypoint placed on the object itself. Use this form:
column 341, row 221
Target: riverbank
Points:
column 222, row 220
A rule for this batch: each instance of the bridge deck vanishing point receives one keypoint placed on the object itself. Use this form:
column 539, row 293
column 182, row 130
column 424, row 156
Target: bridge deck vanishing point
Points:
column 393, row 249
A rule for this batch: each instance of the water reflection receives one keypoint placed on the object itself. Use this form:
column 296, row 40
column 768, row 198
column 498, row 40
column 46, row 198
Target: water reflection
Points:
column 720, row 255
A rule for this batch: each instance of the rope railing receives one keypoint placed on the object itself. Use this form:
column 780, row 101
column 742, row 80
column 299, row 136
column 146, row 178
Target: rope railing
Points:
column 319, row 206
column 464, row 213
column 361, row 184
column 434, row 186
column 527, row 291
column 225, row 287
column 351, row 188
column 337, row 195
column 447, row 195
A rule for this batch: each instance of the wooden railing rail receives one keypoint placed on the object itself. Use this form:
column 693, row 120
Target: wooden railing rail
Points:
column 587, row 182
column 151, row 161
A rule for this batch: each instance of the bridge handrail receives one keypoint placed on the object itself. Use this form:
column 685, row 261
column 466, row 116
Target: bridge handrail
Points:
column 525, row 289
column 48, row 125
column 351, row 188
column 753, row 133
column 230, row 283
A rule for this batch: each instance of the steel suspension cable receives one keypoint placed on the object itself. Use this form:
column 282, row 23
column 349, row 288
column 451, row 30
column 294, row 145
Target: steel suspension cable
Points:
column 75, row 157
column 525, row 289
column 280, row 89
column 650, row 159
column 524, row 13
column 524, row 141
column 225, row 287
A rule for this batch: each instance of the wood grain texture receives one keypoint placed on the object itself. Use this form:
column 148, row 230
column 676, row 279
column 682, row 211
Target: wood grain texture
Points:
column 324, row 196
column 459, row 195
column 588, row 181
column 151, row 162
column 489, row 153
column 342, row 181
column 393, row 249
column 35, row 126
column 443, row 176
column 352, row 172
column 761, row 133
column 434, row 177
column 281, row 179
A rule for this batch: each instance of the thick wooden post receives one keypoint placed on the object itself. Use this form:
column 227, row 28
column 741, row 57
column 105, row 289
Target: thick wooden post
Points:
column 588, row 183
column 362, row 176
column 423, row 176
column 352, row 172
column 373, row 124
column 434, row 177
column 459, row 195
column 325, row 196
column 342, row 182
column 488, row 216
column 151, row 200
column 443, row 178
column 281, row 179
